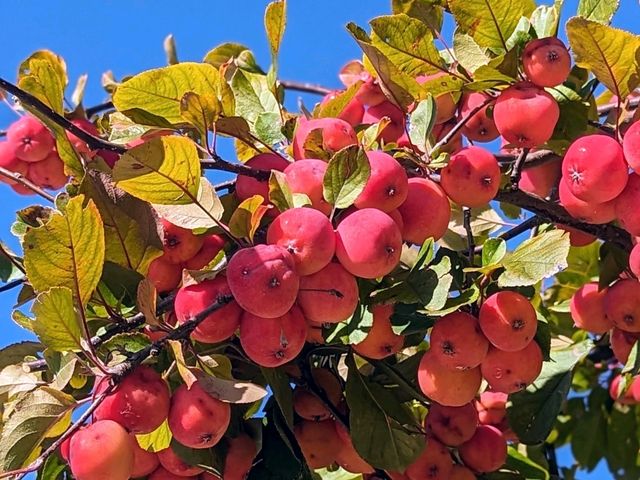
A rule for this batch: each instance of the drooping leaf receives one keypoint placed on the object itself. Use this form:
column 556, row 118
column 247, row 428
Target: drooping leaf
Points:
column 204, row 213
column 8, row 269
column 421, row 122
column 268, row 128
column 56, row 320
column 535, row 259
column 278, row 381
column 16, row 352
column 154, row 97
column 493, row 251
column 68, row 251
column 346, row 176
column 246, row 218
column 28, row 424
column 427, row 11
column 279, row 192
column 598, row 10
column 490, row 22
column 253, row 96
column 524, row 465
column 164, row 170
column 224, row 52
column 610, row 54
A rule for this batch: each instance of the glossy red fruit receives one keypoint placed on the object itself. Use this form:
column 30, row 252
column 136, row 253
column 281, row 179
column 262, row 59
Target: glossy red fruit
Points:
column 308, row 405
column 263, row 280
column 140, row 403
column 30, row 139
column 351, row 113
column 631, row 146
column 434, row 463
column 348, row 457
column 195, row 298
column 380, row 254
column 174, row 464
column 212, row 245
column 480, row 127
column 394, row 130
column 546, row 61
column 626, row 206
column 509, row 372
column 164, row 275
column 381, row 341
column 452, row 388
column 196, row 419
column 634, row 260
column 622, row 305
column 336, row 134
column 541, row 180
column 247, row 187
column 161, row 473
column 426, row 211
column 239, row 460
column 271, row 342
column 594, row 168
column 452, row 425
column 179, row 244
column 492, row 407
column 306, row 176
column 596, row 213
column 526, row 115
column 12, row 163
column 577, row 238
column 387, row 186
column 508, row 320
column 472, row 177
column 457, row 341
column 143, row 462
column 460, row 472
column 587, row 309
column 48, row 173
column 318, row 441
column 621, row 343
column 486, row 451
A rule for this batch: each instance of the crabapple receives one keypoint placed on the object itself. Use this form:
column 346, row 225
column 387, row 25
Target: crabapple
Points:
column 452, row 425
column 318, row 441
column 594, row 169
column 263, row 280
column 370, row 93
column 472, row 177
column 632, row 394
column 219, row 325
column 307, row 235
column 541, row 180
column 597, row 213
column 48, row 173
column 486, row 451
column 271, row 342
column 587, row 309
column 140, row 403
column 508, row 320
column 509, row 372
column 179, row 244
column 101, row 451
column 631, row 146
column 211, row 247
column 622, row 305
column 380, row 254
column 171, row 462
column 441, row 130
column 314, row 335
column 526, row 115
column 451, row 388
column 546, row 61
column 161, row 473
column 239, row 460
column 306, row 176
column 626, row 206
column 348, row 457
column 634, row 260
column 395, row 215
column 164, row 275
column 381, row 341
column 351, row 113
column 387, row 186
column 621, row 343
column 30, row 139
column 196, row 419
column 480, row 127
column 328, row 296
column 426, row 211
column 491, row 407
column 394, row 130
column 78, row 144
column 12, row 163
column 461, row 472
column 336, row 134
column 457, row 342
column 143, row 462
column 309, row 406
column 247, row 187
column 445, row 103
column 434, row 463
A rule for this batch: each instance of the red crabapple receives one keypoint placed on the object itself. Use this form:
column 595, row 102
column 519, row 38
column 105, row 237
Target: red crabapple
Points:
column 336, row 134
column 161, row 473
column 306, row 176
column 318, row 441
column 480, row 127
column 426, row 211
column 143, row 462
column 622, row 305
column 394, row 130
column 596, row 213
column 541, row 180
column 546, row 61
column 308, row 406
column 577, row 238
column 452, row 425
column 491, row 407
column 179, row 244
column 196, row 419
column 239, row 460
column 445, row 103
column 164, row 275
column 387, row 186
column 486, row 451
column 370, row 93
column 634, row 260
column 80, row 145
column 381, row 341
column 630, row 397
column 461, row 472
column 510, row 372
column 247, row 187
column 434, row 463
column 271, row 342
column 30, row 139
column 508, row 320
column 263, row 280
column 622, row 343
column 457, row 341
column 587, row 309
column 171, row 462
column 348, row 457
column 631, row 146
column 526, row 115
column 626, row 206
column 452, row 388
column 211, row 247
column 48, row 173
column 351, row 113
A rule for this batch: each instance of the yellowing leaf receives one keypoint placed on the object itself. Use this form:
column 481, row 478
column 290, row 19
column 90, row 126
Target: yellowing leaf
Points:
column 56, row 320
column 68, row 251
column 598, row 10
column 612, row 55
column 275, row 21
column 201, row 214
column 157, row 440
column 153, row 97
column 246, row 219
column 490, row 22
column 470, row 55
column 200, row 110
column 164, row 170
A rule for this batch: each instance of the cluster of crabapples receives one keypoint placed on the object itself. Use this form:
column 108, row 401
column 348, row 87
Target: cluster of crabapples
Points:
column 107, row 449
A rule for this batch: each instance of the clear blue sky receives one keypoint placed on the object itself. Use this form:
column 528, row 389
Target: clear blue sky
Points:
column 126, row 37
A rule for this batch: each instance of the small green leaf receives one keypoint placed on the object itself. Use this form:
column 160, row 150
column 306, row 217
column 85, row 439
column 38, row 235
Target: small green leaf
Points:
column 203, row 213
column 253, row 96
column 598, row 10
column 56, row 320
column 246, row 218
column 164, row 170
column 346, row 176
column 268, row 128
column 225, row 52
column 275, row 21
column 610, row 54
column 493, row 251
column 159, row 439
column 278, row 381
column 535, row 259
column 68, row 251
column 421, row 122
column 8, row 260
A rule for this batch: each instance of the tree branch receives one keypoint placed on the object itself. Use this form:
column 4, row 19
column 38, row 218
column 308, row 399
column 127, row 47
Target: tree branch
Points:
column 12, row 284
column 529, row 223
column 94, row 143
column 25, row 182
column 305, row 87
column 534, row 159
column 218, row 163
column 605, row 109
column 101, row 107
column 516, row 173
column 229, row 185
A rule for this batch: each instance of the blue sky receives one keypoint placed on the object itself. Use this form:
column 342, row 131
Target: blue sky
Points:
column 126, row 37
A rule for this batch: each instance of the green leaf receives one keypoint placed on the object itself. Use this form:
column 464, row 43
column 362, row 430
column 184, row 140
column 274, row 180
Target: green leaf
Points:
column 31, row 419
column 275, row 21
column 598, row 10
column 17, row 352
column 278, row 381
column 490, row 22
column 246, row 218
column 8, row 260
column 204, row 213
column 268, row 128
column 427, row 11
column 154, row 97
column 225, row 52
column 622, row 441
column 157, row 440
column 346, row 176
column 535, row 259
column 421, row 122
column 544, row 20
column 201, row 111
column 279, row 192
column 56, row 320
column 253, row 96
column 610, row 54
column 470, row 55
column 613, row 261
column 525, row 465
column 408, row 43
column 164, row 170
column 358, row 326
column 334, row 107
column 533, row 412
column 587, row 444
column 493, row 251
column 377, row 437
column 68, row 251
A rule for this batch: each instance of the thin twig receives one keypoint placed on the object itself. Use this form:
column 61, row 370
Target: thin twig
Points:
column 305, row 87
column 12, row 284
column 228, row 185
column 534, row 159
column 101, row 107
column 218, row 163
column 25, row 182
column 466, row 220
